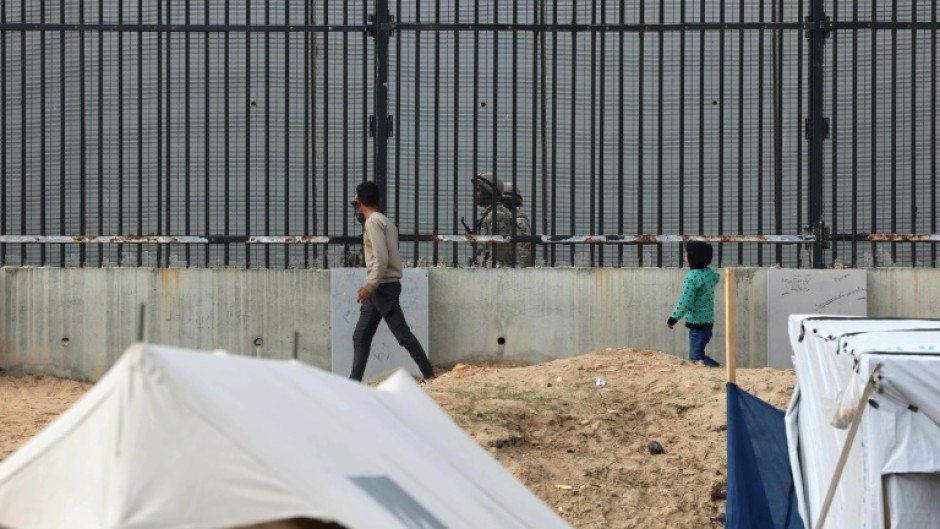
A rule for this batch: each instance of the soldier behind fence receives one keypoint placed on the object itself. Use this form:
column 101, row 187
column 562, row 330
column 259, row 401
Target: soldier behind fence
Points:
column 525, row 252
column 495, row 219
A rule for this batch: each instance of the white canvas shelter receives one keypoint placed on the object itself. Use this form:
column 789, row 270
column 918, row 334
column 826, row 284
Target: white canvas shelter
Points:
column 892, row 476
column 174, row 438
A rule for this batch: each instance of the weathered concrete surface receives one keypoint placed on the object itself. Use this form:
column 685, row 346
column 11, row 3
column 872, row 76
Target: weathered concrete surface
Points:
column 543, row 314
column 904, row 292
column 76, row 322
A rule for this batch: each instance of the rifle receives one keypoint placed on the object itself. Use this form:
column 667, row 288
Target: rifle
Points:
column 465, row 227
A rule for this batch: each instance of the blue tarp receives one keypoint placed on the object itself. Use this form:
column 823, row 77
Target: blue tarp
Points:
column 761, row 494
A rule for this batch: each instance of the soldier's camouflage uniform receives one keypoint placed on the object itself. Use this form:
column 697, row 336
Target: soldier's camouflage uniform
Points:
column 525, row 252
column 496, row 220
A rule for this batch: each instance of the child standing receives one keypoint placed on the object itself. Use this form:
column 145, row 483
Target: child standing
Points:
column 697, row 301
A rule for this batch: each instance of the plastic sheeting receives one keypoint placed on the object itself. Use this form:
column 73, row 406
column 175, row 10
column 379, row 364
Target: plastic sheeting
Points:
column 760, row 484
column 898, row 434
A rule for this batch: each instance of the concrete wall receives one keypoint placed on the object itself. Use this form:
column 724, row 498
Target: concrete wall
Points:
column 76, row 322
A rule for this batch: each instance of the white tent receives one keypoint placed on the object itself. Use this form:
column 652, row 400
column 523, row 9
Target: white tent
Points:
column 172, row 438
column 892, row 475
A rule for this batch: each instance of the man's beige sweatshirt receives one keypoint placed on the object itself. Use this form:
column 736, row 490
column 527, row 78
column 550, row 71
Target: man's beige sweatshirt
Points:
column 380, row 245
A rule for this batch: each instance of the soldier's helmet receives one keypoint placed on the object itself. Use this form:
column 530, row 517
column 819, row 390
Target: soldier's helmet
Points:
column 511, row 195
column 489, row 182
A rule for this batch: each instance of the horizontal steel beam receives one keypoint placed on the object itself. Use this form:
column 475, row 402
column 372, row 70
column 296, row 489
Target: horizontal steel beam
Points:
column 468, row 26
column 468, row 238
column 473, row 239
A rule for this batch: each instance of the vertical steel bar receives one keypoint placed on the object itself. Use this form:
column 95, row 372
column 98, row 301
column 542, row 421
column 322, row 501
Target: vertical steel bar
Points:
column 874, row 136
column 592, row 193
column 417, row 145
column 760, row 135
column 537, row 55
column 854, row 261
column 345, row 135
column 834, row 153
column 741, row 132
column 226, row 147
column 894, row 129
column 381, row 98
column 61, row 133
column 682, row 34
column 933, row 133
column 495, row 114
column 187, row 148
column 326, row 132
column 701, row 123
column 778, row 129
column 476, row 106
column 799, row 125
column 207, row 135
column 309, row 169
column 721, row 131
column 120, row 129
column 914, row 131
column 437, row 120
column 287, row 143
column 660, row 103
column 543, row 97
column 3, row 134
column 571, row 134
column 24, row 103
column 140, row 131
column 169, row 129
column 42, row 130
column 83, row 229
column 621, row 138
column 456, row 168
column 515, row 113
column 267, row 131
column 248, row 106
column 554, row 129
column 398, row 112
column 159, row 206
column 603, row 122
column 641, row 129
column 100, row 130
column 816, row 85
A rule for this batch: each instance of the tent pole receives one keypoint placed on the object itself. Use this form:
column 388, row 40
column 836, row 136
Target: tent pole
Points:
column 844, row 456
column 730, row 327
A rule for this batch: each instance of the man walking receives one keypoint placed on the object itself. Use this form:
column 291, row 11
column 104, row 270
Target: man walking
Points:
column 379, row 297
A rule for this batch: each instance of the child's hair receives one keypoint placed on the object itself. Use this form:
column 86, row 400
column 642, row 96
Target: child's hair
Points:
column 699, row 253
column 368, row 194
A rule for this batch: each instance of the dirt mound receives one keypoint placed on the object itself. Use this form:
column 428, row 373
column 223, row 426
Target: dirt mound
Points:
column 622, row 438
column 617, row 439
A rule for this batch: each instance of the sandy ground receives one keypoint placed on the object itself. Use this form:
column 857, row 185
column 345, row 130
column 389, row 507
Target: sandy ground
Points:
column 584, row 449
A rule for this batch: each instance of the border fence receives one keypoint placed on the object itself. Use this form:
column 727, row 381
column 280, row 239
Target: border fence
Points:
column 233, row 133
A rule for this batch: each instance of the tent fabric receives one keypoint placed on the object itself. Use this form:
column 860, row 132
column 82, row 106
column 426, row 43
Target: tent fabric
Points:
column 760, row 485
column 174, row 438
column 898, row 434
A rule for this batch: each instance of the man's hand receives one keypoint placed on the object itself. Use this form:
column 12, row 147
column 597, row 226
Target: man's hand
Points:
column 670, row 325
column 364, row 295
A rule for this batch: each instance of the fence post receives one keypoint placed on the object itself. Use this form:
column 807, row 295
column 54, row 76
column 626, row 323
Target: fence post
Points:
column 816, row 129
column 380, row 97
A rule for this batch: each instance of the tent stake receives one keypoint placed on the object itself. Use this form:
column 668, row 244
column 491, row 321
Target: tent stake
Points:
column 730, row 327
column 844, row 456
